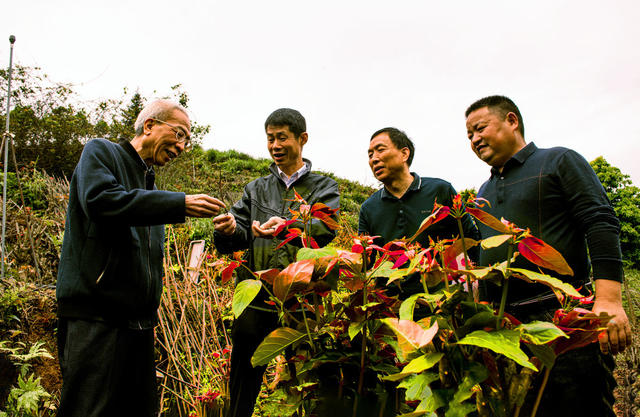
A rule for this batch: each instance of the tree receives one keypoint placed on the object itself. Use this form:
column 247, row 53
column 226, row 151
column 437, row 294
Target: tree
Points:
column 625, row 198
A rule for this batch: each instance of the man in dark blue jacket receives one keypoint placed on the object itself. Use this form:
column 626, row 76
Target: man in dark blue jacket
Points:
column 111, row 266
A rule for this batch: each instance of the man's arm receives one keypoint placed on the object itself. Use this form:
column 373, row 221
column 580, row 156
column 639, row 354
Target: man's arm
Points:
column 592, row 209
column 233, row 230
column 103, row 198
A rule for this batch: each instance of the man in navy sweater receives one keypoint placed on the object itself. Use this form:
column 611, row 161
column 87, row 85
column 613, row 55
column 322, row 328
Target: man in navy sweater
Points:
column 111, row 266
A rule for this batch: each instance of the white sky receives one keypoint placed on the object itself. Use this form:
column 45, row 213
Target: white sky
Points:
column 351, row 67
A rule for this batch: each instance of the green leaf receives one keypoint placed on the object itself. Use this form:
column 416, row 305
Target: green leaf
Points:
column 505, row 342
column 275, row 343
column 417, row 386
column 308, row 253
column 408, row 306
column 355, row 328
column 545, row 353
column 548, row 280
column 384, row 270
column 494, row 241
column 423, row 362
column 244, row 294
column 540, row 332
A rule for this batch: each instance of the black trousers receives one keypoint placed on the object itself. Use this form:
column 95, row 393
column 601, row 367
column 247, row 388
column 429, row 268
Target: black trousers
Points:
column 107, row 371
column 245, row 381
column 580, row 384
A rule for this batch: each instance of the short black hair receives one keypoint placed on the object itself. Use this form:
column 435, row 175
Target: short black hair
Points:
column 287, row 117
column 399, row 139
column 499, row 105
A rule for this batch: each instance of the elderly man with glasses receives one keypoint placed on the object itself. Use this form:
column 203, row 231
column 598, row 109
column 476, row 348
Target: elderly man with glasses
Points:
column 111, row 266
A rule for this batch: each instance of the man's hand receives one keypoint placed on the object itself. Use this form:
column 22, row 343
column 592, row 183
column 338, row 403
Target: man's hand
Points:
column 267, row 228
column 609, row 300
column 225, row 224
column 202, row 205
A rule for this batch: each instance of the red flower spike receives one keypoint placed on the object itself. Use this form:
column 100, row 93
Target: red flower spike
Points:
column 541, row 254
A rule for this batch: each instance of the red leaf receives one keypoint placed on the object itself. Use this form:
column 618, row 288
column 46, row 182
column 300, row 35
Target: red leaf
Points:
column 284, row 225
column 227, row 272
column 293, row 278
column 268, row 275
column 582, row 326
column 541, row 254
column 439, row 213
column 298, row 197
column 450, row 254
column 293, row 233
column 489, row 220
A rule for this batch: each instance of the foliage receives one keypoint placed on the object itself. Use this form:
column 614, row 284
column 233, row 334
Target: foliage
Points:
column 27, row 398
column 351, row 344
column 625, row 198
column 50, row 124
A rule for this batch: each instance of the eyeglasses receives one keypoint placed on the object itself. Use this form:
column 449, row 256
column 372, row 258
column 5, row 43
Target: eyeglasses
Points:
column 181, row 136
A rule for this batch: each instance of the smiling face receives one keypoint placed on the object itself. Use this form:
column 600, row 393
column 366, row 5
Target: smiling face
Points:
column 285, row 149
column 494, row 139
column 161, row 145
column 386, row 161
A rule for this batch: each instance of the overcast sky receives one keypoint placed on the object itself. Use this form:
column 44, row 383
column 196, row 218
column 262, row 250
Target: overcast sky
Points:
column 351, row 67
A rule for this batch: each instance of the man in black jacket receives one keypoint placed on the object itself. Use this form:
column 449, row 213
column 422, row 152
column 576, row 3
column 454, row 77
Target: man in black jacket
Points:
column 110, row 274
column 251, row 224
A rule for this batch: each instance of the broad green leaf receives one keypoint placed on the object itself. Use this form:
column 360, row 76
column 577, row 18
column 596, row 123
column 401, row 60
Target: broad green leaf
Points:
column 295, row 277
column 384, row 270
column 411, row 336
column 396, row 377
column 423, row 362
column 275, row 343
column 494, row 241
column 244, row 294
column 355, row 328
column 541, row 254
column 309, row 253
column 549, row 281
column 468, row 386
column 540, row 332
column 505, row 342
column 459, row 409
column 408, row 306
column 414, row 414
column 417, row 386
column 398, row 274
column 544, row 353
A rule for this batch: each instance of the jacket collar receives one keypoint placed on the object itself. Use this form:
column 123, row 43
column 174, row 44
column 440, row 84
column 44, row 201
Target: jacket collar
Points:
column 274, row 170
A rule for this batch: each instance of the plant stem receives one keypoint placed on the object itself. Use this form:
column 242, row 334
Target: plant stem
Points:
column 505, row 284
column 364, row 329
column 306, row 326
column 540, row 391
column 466, row 259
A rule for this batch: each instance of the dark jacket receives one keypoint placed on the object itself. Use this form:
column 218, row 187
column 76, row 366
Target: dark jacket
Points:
column 268, row 197
column 111, row 265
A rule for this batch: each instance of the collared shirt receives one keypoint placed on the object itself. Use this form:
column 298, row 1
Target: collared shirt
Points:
column 390, row 217
column 288, row 180
column 555, row 193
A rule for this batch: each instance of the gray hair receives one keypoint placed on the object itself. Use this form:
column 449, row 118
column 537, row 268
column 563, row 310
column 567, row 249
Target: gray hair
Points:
column 158, row 109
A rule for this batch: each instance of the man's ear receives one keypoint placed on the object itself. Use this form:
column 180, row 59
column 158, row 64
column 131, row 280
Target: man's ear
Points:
column 405, row 153
column 513, row 120
column 147, row 126
column 304, row 137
